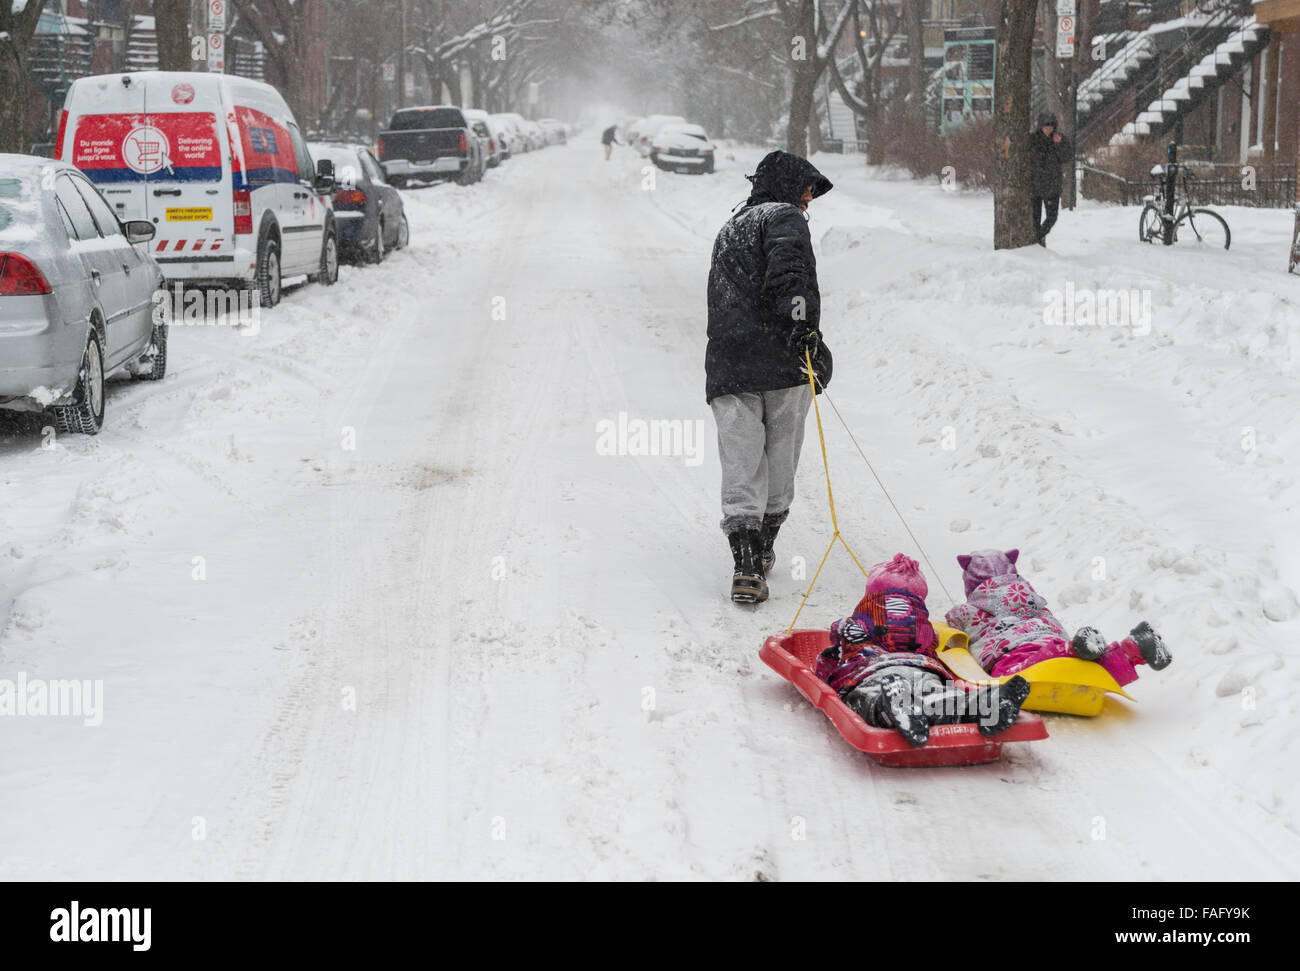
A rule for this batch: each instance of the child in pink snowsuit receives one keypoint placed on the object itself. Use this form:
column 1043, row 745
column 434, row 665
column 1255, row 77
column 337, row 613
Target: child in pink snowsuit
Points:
column 1010, row 627
column 881, row 661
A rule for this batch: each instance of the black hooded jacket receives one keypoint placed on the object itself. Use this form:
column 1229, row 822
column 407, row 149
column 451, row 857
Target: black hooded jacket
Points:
column 763, row 285
column 1047, row 157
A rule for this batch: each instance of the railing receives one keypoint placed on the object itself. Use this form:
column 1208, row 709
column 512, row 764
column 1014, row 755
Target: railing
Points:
column 1277, row 190
column 1170, row 67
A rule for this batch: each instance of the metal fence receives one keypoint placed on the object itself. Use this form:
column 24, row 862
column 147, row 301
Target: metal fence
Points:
column 1277, row 191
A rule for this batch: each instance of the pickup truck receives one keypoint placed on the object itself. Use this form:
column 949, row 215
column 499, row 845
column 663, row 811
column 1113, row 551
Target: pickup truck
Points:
column 430, row 143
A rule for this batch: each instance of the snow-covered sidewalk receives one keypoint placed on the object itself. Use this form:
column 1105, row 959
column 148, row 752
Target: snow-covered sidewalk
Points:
column 370, row 596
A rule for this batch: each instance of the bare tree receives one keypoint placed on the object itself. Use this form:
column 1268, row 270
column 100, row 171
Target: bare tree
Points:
column 813, row 38
column 284, row 36
column 869, row 44
column 1013, row 223
column 172, row 28
column 17, row 26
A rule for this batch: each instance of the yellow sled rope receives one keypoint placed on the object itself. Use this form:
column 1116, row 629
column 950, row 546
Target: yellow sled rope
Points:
column 830, row 498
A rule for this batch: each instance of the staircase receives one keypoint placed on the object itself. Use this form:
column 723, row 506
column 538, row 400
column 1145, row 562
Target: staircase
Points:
column 142, row 46
column 843, row 123
column 59, row 54
column 1134, row 50
column 1164, row 77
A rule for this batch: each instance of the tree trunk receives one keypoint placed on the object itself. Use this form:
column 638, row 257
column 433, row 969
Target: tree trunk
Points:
column 801, row 105
column 914, row 12
column 1013, row 223
column 172, row 24
column 16, row 30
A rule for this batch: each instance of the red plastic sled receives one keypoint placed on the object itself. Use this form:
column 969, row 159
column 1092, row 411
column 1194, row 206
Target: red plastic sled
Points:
column 794, row 655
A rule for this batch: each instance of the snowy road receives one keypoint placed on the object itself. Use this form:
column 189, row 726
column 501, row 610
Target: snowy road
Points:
column 369, row 602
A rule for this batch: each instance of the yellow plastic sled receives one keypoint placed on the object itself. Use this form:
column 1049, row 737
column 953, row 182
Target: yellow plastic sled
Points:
column 1064, row 684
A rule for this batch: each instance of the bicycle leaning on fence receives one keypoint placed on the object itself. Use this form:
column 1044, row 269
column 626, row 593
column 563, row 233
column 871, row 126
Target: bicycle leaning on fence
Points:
column 1208, row 228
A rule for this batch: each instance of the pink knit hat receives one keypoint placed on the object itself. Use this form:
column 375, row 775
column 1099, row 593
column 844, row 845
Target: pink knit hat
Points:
column 900, row 573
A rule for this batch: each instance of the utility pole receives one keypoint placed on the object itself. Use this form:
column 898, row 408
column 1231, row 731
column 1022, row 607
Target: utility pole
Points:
column 1067, row 24
column 401, row 60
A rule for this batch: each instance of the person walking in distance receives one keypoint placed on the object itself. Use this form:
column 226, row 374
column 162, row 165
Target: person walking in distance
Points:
column 764, row 322
column 1048, row 150
column 609, row 138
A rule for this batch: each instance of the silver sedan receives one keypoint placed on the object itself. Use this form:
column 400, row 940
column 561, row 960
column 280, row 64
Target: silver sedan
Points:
column 77, row 294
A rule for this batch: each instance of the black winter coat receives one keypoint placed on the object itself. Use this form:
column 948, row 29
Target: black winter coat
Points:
column 1047, row 158
column 763, row 286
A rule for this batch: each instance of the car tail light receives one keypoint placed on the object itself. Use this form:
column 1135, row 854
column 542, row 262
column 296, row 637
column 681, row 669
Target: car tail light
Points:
column 492, row 145
column 58, row 141
column 350, row 197
column 379, row 147
column 243, row 212
column 464, row 142
column 19, row 277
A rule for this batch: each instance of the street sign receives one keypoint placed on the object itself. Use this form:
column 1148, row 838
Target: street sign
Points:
column 217, row 53
column 409, row 85
column 217, row 15
column 390, row 71
column 1065, row 8
column 1065, row 37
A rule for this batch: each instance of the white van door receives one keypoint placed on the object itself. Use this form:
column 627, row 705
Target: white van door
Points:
column 182, row 154
column 305, row 234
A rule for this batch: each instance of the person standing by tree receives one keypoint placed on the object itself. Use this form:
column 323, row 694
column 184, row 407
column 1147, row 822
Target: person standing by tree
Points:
column 1048, row 150
column 764, row 317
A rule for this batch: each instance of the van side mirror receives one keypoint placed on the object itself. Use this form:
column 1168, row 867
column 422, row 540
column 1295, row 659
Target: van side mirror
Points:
column 324, row 176
column 138, row 230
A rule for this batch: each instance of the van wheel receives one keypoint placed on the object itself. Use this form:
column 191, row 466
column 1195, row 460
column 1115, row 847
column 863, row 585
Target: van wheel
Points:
column 86, row 413
column 377, row 251
column 267, row 280
column 156, row 357
column 329, row 259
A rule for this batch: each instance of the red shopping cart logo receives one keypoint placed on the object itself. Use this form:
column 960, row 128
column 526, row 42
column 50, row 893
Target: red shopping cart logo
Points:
column 145, row 150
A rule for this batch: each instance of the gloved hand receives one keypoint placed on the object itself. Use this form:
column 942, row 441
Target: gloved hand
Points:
column 804, row 343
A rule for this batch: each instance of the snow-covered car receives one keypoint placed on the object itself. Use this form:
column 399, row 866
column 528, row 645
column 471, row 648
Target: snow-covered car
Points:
column 368, row 212
column 504, row 136
column 519, row 141
column 555, row 130
column 647, row 128
column 536, row 136
column 682, row 148
column 481, row 123
column 77, row 294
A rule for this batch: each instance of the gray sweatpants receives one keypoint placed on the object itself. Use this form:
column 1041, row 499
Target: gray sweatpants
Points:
column 760, row 434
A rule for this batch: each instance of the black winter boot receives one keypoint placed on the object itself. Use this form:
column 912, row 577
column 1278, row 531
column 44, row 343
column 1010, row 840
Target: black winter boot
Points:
column 1002, row 705
column 771, row 526
column 1088, row 644
column 905, row 713
column 1152, row 646
column 748, row 585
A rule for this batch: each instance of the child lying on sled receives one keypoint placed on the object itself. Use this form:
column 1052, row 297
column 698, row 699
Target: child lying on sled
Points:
column 1010, row 627
column 882, row 664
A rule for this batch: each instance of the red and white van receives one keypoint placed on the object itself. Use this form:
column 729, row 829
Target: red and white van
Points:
column 217, row 163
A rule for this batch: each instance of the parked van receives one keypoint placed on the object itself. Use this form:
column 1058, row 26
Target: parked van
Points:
column 219, row 166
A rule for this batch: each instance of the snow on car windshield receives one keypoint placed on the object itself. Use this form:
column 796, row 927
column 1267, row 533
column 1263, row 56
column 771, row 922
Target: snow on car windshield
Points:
column 418, row 118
